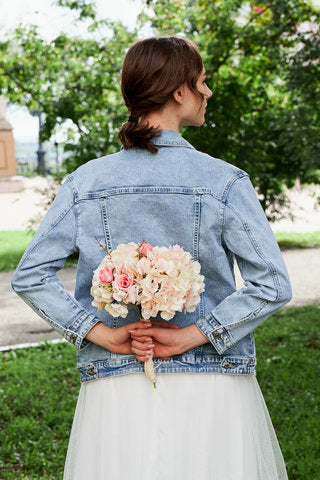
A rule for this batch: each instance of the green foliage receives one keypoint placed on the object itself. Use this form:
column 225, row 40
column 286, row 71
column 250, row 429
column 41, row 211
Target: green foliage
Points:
column 39, row 388
column 262, row 65
column 85, row 9
column 70, row 78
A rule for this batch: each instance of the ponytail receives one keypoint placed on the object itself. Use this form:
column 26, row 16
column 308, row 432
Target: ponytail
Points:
column 152, row 70
column 134, row 135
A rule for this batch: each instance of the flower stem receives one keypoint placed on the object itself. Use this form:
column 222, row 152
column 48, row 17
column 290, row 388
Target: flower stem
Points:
column 149, row 365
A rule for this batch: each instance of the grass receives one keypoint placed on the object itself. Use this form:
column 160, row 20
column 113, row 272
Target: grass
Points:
column 298, row 240
column 288, row 372
column 14, row 242
column 39, row 388
column 12, row 246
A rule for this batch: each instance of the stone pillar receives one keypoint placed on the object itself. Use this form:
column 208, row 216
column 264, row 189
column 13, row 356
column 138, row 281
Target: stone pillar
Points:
column 9, row 181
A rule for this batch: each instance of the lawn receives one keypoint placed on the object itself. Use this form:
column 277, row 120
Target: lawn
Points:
column 39, row 388
column 14, row 242
column 12, row 246
column 298, row 240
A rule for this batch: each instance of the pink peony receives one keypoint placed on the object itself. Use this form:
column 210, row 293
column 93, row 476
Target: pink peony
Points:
column 124, row 282
column 105, row 276
column 144, row 249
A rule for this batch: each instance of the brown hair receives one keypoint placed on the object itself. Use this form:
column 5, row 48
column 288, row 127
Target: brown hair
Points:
column 152, row 70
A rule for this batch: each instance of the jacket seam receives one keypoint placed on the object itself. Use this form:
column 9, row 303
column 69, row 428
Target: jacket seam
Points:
column 105, row 222
column 230, row 182
column 58, row 219
column 146, row 190
column 256, row 246
column 42, row 313
column 196, row 228
column 52, row 226
column 73, row 185
column 196, row 242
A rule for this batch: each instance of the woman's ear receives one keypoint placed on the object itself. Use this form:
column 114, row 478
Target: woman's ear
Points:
column 179, row 94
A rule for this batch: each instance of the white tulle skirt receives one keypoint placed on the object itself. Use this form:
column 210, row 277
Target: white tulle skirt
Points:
column 191, row 427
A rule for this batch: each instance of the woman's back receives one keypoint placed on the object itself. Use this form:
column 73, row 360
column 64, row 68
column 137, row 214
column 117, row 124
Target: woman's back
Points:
column 177, row 196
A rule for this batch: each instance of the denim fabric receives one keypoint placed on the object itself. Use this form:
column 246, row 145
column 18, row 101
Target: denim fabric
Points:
column 177, row 196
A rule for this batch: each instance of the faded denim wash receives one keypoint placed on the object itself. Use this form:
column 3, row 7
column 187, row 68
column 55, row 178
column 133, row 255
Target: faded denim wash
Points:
column 177, row 196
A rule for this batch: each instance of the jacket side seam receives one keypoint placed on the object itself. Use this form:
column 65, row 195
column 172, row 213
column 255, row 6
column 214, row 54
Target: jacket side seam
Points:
column 72, row 183
column 52, row 226
column 256, row 246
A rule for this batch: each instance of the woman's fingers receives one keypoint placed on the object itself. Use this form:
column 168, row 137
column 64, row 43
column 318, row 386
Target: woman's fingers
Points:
column 141, row 358
column 141, row 339
column 141, row 355
column 140, row 324
column 138, row 332
column 140, row 348
column 159, row 323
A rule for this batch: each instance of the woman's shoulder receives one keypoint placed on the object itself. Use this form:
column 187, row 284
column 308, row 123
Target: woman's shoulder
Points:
column 219, row 164
column 91, row 171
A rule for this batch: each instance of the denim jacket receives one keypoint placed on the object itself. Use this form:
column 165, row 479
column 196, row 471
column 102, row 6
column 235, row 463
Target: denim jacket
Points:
column 176, row 196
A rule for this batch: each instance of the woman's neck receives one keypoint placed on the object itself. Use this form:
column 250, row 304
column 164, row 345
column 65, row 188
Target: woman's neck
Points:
column 166, row 119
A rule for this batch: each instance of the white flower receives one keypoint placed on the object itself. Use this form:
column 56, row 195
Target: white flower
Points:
column 117, row 310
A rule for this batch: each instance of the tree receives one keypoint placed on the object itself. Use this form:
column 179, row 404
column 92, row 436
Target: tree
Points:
column 262, row 65
column 262, row 62
column 74, row 81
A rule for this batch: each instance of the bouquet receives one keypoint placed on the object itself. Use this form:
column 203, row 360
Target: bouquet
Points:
column 156, row 279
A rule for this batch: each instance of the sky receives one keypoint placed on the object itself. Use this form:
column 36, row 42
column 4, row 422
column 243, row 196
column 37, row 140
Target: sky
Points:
column 51, row 19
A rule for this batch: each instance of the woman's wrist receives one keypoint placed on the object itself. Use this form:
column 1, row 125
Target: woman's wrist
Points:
column 192, row 337
column 100, row 334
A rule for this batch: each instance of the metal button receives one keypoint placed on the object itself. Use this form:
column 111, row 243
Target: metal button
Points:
column 92, row 371
column 228, row 365
column 73, row 338
column 217, row 336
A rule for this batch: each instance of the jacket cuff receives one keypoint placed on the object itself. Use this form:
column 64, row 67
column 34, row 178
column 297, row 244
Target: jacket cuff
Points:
column 216, row 333
column 79, row 328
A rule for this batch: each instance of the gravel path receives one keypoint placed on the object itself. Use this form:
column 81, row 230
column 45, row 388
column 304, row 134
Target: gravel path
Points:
column 19, row 324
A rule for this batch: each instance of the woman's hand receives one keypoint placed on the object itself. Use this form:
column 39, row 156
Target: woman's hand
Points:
column 162, row 340
column 168, row 339
column 116, row 340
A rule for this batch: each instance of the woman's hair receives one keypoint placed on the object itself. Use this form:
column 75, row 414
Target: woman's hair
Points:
column 152, row 70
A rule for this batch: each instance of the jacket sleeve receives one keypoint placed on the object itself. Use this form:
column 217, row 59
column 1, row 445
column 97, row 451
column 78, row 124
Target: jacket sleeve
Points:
column 35, row 279
column 247, row 234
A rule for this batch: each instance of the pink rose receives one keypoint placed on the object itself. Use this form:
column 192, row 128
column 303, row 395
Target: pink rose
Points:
column 124, row 282
column 144, row 249
column 105, row 275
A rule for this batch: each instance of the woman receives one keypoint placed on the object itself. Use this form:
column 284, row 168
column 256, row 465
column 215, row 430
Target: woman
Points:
column 207, row 418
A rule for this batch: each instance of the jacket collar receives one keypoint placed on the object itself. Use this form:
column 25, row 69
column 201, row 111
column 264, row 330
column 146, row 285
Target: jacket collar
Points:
column 171, row 138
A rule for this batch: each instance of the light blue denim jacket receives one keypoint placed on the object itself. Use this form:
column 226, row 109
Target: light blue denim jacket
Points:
column 177, row 196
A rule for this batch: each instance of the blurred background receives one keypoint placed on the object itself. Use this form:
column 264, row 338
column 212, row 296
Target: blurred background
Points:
column 61, row 106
